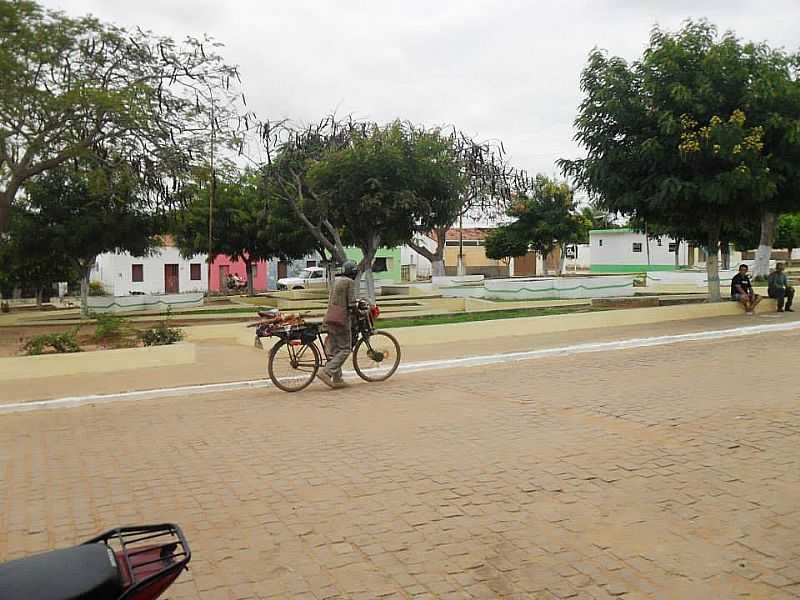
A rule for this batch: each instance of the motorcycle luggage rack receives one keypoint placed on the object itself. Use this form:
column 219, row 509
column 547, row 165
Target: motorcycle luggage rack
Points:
column 152, row 555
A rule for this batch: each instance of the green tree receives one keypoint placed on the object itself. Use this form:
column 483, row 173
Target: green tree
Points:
column 30, row 259
column 546, row 218
column 677, row 137
column 371, row 190
column 505, row 243
column 788, row 232
column 459, row 177
column 77, row 87
column 362, row 184
column 244, row 229
column 82, row 212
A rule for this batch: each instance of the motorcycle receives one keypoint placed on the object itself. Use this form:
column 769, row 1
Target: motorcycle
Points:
column 127, row 563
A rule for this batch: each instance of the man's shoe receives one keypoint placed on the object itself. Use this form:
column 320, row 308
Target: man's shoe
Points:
column 789, row 310
column 339, row 382
column 326, row 379
column 780, row 310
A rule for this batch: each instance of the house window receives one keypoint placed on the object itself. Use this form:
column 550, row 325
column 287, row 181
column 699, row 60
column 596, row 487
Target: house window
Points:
column 600, row 243
column 382, row 265
column 658, row 242
column 194, row 272
column 451, row 243
column 673, row 247
column 137, row 273
column 637, row 246
column 311, row 263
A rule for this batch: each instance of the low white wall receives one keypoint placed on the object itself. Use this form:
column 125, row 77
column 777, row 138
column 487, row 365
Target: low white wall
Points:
column 550, row 288
column 444, row 282
column 105, row 304
column 696, row 278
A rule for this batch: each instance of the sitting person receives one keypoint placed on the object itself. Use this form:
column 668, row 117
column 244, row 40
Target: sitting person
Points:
column 778, row 287
column 742, row 290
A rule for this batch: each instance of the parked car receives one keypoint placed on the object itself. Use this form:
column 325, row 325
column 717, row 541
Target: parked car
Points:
column 310, row 278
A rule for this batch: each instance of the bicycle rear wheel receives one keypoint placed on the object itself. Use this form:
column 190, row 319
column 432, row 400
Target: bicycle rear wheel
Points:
column 293, row 365
column 376, row 357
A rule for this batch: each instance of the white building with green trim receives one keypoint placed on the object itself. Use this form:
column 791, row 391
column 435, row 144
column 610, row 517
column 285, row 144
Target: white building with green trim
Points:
column 625, row 250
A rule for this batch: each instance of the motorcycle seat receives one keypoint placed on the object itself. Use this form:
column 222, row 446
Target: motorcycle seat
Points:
column 87, row 572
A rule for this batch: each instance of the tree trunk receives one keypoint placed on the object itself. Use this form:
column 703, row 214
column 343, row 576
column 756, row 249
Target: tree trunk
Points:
column 726, row 255
column 85, row 291
column 677, row 254
column 248, row 265
column 5, row 207
column 562, row 260
column 436, row 257
column 38, row 297
column 769, row 222
column 366, row 268
column 712, row 263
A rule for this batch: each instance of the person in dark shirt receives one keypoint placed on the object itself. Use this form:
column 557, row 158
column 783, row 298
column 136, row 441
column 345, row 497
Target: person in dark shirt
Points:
column 778, row 287
column 742, row 290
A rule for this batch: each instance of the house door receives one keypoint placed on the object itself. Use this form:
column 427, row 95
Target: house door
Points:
column 525, row 266
column 224, row 271
column 171, row 285
column 283, row 268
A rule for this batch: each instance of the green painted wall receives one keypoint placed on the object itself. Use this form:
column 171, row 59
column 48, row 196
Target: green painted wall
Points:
column 631, row 268
column 391, row 254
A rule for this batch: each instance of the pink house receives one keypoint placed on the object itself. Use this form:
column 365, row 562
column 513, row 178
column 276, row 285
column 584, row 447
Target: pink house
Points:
column 223, row 266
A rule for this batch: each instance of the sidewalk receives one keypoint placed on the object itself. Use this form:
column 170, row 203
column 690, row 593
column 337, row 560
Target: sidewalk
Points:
column 224, row 360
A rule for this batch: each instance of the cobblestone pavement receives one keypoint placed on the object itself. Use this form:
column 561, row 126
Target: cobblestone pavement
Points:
column 669, row 472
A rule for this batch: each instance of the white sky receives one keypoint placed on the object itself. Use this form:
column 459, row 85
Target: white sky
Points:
column 502, row 69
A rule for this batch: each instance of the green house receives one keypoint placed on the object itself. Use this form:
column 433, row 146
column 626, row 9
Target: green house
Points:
column 386, row 265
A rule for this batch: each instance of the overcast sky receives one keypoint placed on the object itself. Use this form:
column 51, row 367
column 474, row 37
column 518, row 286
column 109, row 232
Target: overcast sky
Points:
column 502, row 69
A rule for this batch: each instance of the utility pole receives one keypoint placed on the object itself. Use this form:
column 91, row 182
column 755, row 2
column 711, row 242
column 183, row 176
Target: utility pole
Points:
column 212, row 191
column 461, row 269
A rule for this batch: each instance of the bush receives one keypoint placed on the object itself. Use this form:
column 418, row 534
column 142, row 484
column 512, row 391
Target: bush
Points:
column 61, row 343
column 96, row 289
column 113, row 330
column 161, row 335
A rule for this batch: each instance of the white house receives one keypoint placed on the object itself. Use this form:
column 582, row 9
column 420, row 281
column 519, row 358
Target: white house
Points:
column 625, row 250
column 163, row 271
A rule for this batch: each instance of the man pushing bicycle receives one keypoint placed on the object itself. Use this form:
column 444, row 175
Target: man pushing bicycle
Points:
column 339, row 324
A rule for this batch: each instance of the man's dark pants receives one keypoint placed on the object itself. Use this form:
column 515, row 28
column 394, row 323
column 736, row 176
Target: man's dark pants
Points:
column 782, row 295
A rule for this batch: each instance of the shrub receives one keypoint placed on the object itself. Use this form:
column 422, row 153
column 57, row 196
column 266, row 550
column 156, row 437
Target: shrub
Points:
column 161, row 335
column 61, row 343
column 113, row 330
column 96, row 289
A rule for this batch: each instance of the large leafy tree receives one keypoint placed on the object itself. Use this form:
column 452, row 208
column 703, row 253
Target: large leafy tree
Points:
column 465, row 178
column 676, row 138
column 80, row 211
column 77, row 87
column 362, row 184
column 371, row 188
column 30, row 257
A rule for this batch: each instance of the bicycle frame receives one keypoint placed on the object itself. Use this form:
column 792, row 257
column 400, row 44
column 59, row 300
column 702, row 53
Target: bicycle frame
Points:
column 362, row 328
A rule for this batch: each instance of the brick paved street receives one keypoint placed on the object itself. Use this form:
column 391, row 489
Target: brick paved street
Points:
column 669, row 473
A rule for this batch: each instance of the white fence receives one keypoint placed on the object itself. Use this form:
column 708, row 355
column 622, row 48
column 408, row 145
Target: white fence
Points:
column 151, row 302
column 544, row 288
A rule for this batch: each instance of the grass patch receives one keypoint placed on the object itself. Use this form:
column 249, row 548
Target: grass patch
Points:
column 492, row 315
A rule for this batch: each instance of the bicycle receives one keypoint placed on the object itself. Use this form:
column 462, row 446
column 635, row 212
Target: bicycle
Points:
column 295, row 358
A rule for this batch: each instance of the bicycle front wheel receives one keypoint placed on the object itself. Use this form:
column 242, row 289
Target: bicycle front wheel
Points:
column 376, row 357
column 292, row 366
